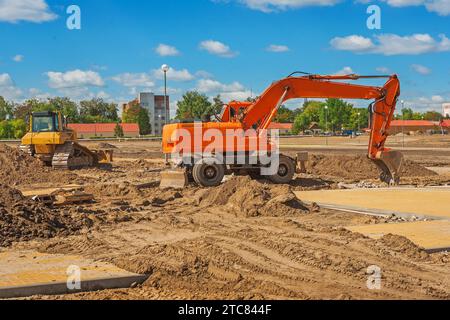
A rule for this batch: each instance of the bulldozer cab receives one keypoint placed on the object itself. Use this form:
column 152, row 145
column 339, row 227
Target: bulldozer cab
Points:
column 46, row 122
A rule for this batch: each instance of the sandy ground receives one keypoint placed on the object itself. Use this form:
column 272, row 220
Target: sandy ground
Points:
column 198, row 244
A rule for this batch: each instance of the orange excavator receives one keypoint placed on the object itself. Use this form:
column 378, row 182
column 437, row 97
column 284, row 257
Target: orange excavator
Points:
column 206, row 151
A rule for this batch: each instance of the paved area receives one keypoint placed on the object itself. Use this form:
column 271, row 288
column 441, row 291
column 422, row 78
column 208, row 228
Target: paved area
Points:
column 24, row 273
column 433, row 203
column 431, row 235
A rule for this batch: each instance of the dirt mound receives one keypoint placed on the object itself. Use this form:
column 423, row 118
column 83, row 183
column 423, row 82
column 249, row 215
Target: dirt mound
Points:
column 24, row 220
column 17, row 168
column 403, row 245
column 104, row 145
column 358, row 167
column 113, row 190
column 249, row 198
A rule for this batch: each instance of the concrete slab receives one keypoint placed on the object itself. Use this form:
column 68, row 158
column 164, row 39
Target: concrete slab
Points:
column 433, row 236
column 26, row 273
column 432, row 203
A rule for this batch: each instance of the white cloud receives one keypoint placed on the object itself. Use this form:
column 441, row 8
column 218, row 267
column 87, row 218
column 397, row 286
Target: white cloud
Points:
column 74, row 79
column 5, row 80
column 276, row 5
column 392, row 44
column 384, row 70
column 437, row 99
column 18, row 58
column 228, row 92
column 277, row 48
column 217, row 48
column 134, row 80
column 421, row 69
column 345, row 71
column 204, row 74
column 441, row 7
column 11, row 92
column 7, row 88
column 208, row 85
column 165, row 50
column 352, row 43
column 25, row 10
column 173, row 75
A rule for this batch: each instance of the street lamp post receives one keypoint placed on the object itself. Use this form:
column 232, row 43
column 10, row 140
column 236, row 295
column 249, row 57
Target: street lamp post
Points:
column 403, row 122
column 165, row 68
column 326, row 124
column 359, row 126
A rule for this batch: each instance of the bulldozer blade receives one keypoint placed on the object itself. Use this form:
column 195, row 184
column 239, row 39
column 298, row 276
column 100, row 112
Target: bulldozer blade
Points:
column 174, row 178
column 390, row 163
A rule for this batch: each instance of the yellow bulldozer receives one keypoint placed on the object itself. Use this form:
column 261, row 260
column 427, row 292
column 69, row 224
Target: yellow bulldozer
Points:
column 50, row 140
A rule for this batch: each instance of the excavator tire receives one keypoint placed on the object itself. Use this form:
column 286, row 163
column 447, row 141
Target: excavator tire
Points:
column 208, row 175
column 72, row 155
column 286, row 171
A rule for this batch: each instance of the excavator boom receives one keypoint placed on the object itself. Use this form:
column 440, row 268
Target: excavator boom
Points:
column 261, row 113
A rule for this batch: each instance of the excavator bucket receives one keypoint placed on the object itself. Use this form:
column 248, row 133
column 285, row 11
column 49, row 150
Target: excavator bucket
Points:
column 390, row 164
column 174, row 178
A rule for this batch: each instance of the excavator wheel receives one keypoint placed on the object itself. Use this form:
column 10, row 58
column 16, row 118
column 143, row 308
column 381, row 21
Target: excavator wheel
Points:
column 286, row 171
column 208, row 174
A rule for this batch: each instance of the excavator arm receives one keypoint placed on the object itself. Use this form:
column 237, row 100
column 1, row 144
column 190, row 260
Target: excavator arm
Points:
column 260, row 114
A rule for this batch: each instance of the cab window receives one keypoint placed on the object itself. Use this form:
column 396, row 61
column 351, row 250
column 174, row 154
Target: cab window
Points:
column 43, row 124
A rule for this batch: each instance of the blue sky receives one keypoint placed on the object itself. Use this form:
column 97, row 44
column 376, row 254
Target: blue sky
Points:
column 232, row 47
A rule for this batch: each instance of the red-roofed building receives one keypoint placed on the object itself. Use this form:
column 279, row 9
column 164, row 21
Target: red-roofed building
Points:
column 105, row 130
column 398, row 126
column 445, row 124
column 284, row 128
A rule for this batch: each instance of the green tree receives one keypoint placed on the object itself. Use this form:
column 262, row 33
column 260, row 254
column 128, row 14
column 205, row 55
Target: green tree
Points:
column 359, row 119
column 194, row 106
column 6, row 130
column 19, row 128
column 310, row 113
column 284, row 115
column 337, row 115
column 136, row 114
column 118, row 131
column 432, row 116
column 217, row 105
column 97, row 110
column 6, row 108
column 66, row 106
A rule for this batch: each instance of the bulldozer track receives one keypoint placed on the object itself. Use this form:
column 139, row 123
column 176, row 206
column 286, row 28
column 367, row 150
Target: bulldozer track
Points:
column 72, row 155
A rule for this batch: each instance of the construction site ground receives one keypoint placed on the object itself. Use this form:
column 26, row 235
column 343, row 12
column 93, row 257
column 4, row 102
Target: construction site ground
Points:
column 245, row 239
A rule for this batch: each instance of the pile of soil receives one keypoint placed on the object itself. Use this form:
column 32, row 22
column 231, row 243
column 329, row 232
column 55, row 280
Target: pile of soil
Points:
column 23, row 220
column 113, row 190
column 249, row 198
column 17, row 168
column 358, row 167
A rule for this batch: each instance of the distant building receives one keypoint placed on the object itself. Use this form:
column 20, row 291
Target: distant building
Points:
column 406, row 126
column 284, row 128
column 154, row 104
column 446, row 110
column 103, row 130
